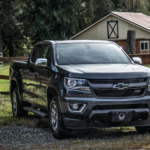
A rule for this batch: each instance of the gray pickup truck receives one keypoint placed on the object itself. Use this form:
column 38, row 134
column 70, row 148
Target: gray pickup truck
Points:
column 81, row 84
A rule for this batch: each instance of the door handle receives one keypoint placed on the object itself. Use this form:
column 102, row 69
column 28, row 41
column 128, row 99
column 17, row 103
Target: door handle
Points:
column 27, row 70
column 36, row 73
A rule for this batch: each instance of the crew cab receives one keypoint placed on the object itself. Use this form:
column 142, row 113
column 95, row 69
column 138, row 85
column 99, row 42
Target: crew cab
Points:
column 81, row 84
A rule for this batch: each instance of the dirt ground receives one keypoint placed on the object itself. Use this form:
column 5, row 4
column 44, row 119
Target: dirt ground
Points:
column 23, row 138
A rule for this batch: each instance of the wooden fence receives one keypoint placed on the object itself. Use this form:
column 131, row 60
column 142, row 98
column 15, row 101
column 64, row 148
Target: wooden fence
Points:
column 9, row 59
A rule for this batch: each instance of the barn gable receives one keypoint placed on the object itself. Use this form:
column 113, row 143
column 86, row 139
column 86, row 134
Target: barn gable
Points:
column 115, row 26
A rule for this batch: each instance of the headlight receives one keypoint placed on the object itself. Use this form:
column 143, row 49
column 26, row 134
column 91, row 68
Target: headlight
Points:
column 77, row 84
column 148, row 85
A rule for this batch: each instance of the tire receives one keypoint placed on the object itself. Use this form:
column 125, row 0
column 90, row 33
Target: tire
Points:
column 143, row 129
column 17, row 109
column 56, row 122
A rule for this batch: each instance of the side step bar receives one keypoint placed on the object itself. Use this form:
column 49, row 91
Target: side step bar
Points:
column 35, row 111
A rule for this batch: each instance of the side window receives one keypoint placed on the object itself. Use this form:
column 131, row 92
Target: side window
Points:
column 36, row 53
column 144, row 45
column 47, row 54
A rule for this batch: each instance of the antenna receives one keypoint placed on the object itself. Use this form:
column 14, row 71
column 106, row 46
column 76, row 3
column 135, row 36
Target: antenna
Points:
column 65, row 36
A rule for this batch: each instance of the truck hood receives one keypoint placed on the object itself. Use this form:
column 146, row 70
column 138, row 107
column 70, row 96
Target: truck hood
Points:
column 105, row 71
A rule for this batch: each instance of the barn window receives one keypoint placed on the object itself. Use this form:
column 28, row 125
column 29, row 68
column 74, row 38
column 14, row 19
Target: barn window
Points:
column 112, row 29
column 144, row 45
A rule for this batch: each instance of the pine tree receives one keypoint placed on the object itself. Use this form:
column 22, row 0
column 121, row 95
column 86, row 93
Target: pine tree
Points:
column 133, row 6
column 102, row 8
column 53, row 18
column 10, row 33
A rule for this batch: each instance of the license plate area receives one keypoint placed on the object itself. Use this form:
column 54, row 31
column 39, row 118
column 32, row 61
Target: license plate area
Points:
column 119, row 116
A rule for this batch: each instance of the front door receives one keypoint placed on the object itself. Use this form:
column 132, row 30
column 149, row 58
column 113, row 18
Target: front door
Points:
column 32, row 82
column 44, row 75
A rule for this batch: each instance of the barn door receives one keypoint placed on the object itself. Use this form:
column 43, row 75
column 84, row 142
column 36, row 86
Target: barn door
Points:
column 112, row 29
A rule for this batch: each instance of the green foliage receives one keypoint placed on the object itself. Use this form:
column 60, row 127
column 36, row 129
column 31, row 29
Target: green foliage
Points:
column 53, row 18
column 25, row 22
column 102, row 8
column 15, row 25
column 142, row 6
column 11, row 31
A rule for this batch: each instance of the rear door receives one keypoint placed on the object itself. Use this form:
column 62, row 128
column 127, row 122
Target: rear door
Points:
column 32, row 82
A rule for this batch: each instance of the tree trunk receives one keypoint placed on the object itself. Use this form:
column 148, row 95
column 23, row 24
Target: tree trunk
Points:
column 133, row 4
column 127, row 5
column 10, row 47
column 130, row 45
column 1, row 40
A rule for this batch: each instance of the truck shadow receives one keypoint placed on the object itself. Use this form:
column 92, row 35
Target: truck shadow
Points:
column 33, row 121
column 105, row 133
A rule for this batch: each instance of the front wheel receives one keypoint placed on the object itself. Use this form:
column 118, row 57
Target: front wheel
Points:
column 143, row 129
column 56, row 121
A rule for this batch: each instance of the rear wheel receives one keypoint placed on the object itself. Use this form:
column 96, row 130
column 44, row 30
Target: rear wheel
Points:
column 56, row 121
column 143, row 129
column 17, row 109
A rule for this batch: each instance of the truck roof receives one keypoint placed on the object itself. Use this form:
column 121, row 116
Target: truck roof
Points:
column 74, row 41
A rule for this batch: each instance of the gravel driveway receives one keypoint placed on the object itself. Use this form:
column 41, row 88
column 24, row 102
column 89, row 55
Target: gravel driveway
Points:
column 14, row 137
column 29, row 138
column 22, row 138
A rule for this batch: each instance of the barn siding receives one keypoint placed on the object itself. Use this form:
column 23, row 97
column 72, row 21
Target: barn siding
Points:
column 122, row 43
column 99, row 32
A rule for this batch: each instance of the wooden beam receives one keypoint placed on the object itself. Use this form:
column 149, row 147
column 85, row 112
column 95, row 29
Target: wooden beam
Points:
column 4, row 77
column 5, row 93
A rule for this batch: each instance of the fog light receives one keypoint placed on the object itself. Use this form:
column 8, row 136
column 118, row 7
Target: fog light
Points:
column 76, row 107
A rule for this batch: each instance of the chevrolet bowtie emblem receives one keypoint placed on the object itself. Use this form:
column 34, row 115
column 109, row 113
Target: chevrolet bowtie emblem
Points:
column 121, row 86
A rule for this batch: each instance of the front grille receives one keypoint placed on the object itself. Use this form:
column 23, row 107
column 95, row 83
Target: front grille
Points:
column 116, row 81
column 113, row 107
column 119, row 93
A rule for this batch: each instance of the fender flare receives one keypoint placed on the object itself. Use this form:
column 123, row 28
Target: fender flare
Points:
column 51, row 92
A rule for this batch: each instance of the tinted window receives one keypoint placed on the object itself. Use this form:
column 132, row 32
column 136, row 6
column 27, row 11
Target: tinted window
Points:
column 36, row 53
column 89, row 53
column 142, row 46
column 146, row 45
column 47, row 54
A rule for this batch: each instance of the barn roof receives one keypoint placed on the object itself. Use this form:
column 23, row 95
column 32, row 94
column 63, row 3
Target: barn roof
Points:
column 138, row 19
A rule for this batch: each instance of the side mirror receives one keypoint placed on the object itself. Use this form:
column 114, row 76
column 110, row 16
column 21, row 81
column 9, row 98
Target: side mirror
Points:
column 137, row 60
column 41, row 62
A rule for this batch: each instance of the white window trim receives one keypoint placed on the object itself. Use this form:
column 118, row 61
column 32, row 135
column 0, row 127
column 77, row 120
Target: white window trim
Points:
column 144, row 42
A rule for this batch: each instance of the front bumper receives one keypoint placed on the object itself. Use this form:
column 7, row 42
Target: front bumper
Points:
column 91, row 118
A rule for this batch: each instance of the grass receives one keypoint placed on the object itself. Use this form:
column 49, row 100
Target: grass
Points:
column 127, row 141
column 6, row 116
column 147, row 66
column 4, row 84
column 5, row 106
column 5, row 70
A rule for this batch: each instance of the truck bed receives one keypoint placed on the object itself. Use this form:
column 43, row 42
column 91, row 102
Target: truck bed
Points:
column 18, row 64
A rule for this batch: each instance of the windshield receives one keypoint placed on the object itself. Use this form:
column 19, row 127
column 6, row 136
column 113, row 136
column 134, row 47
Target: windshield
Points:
column 89, row 53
